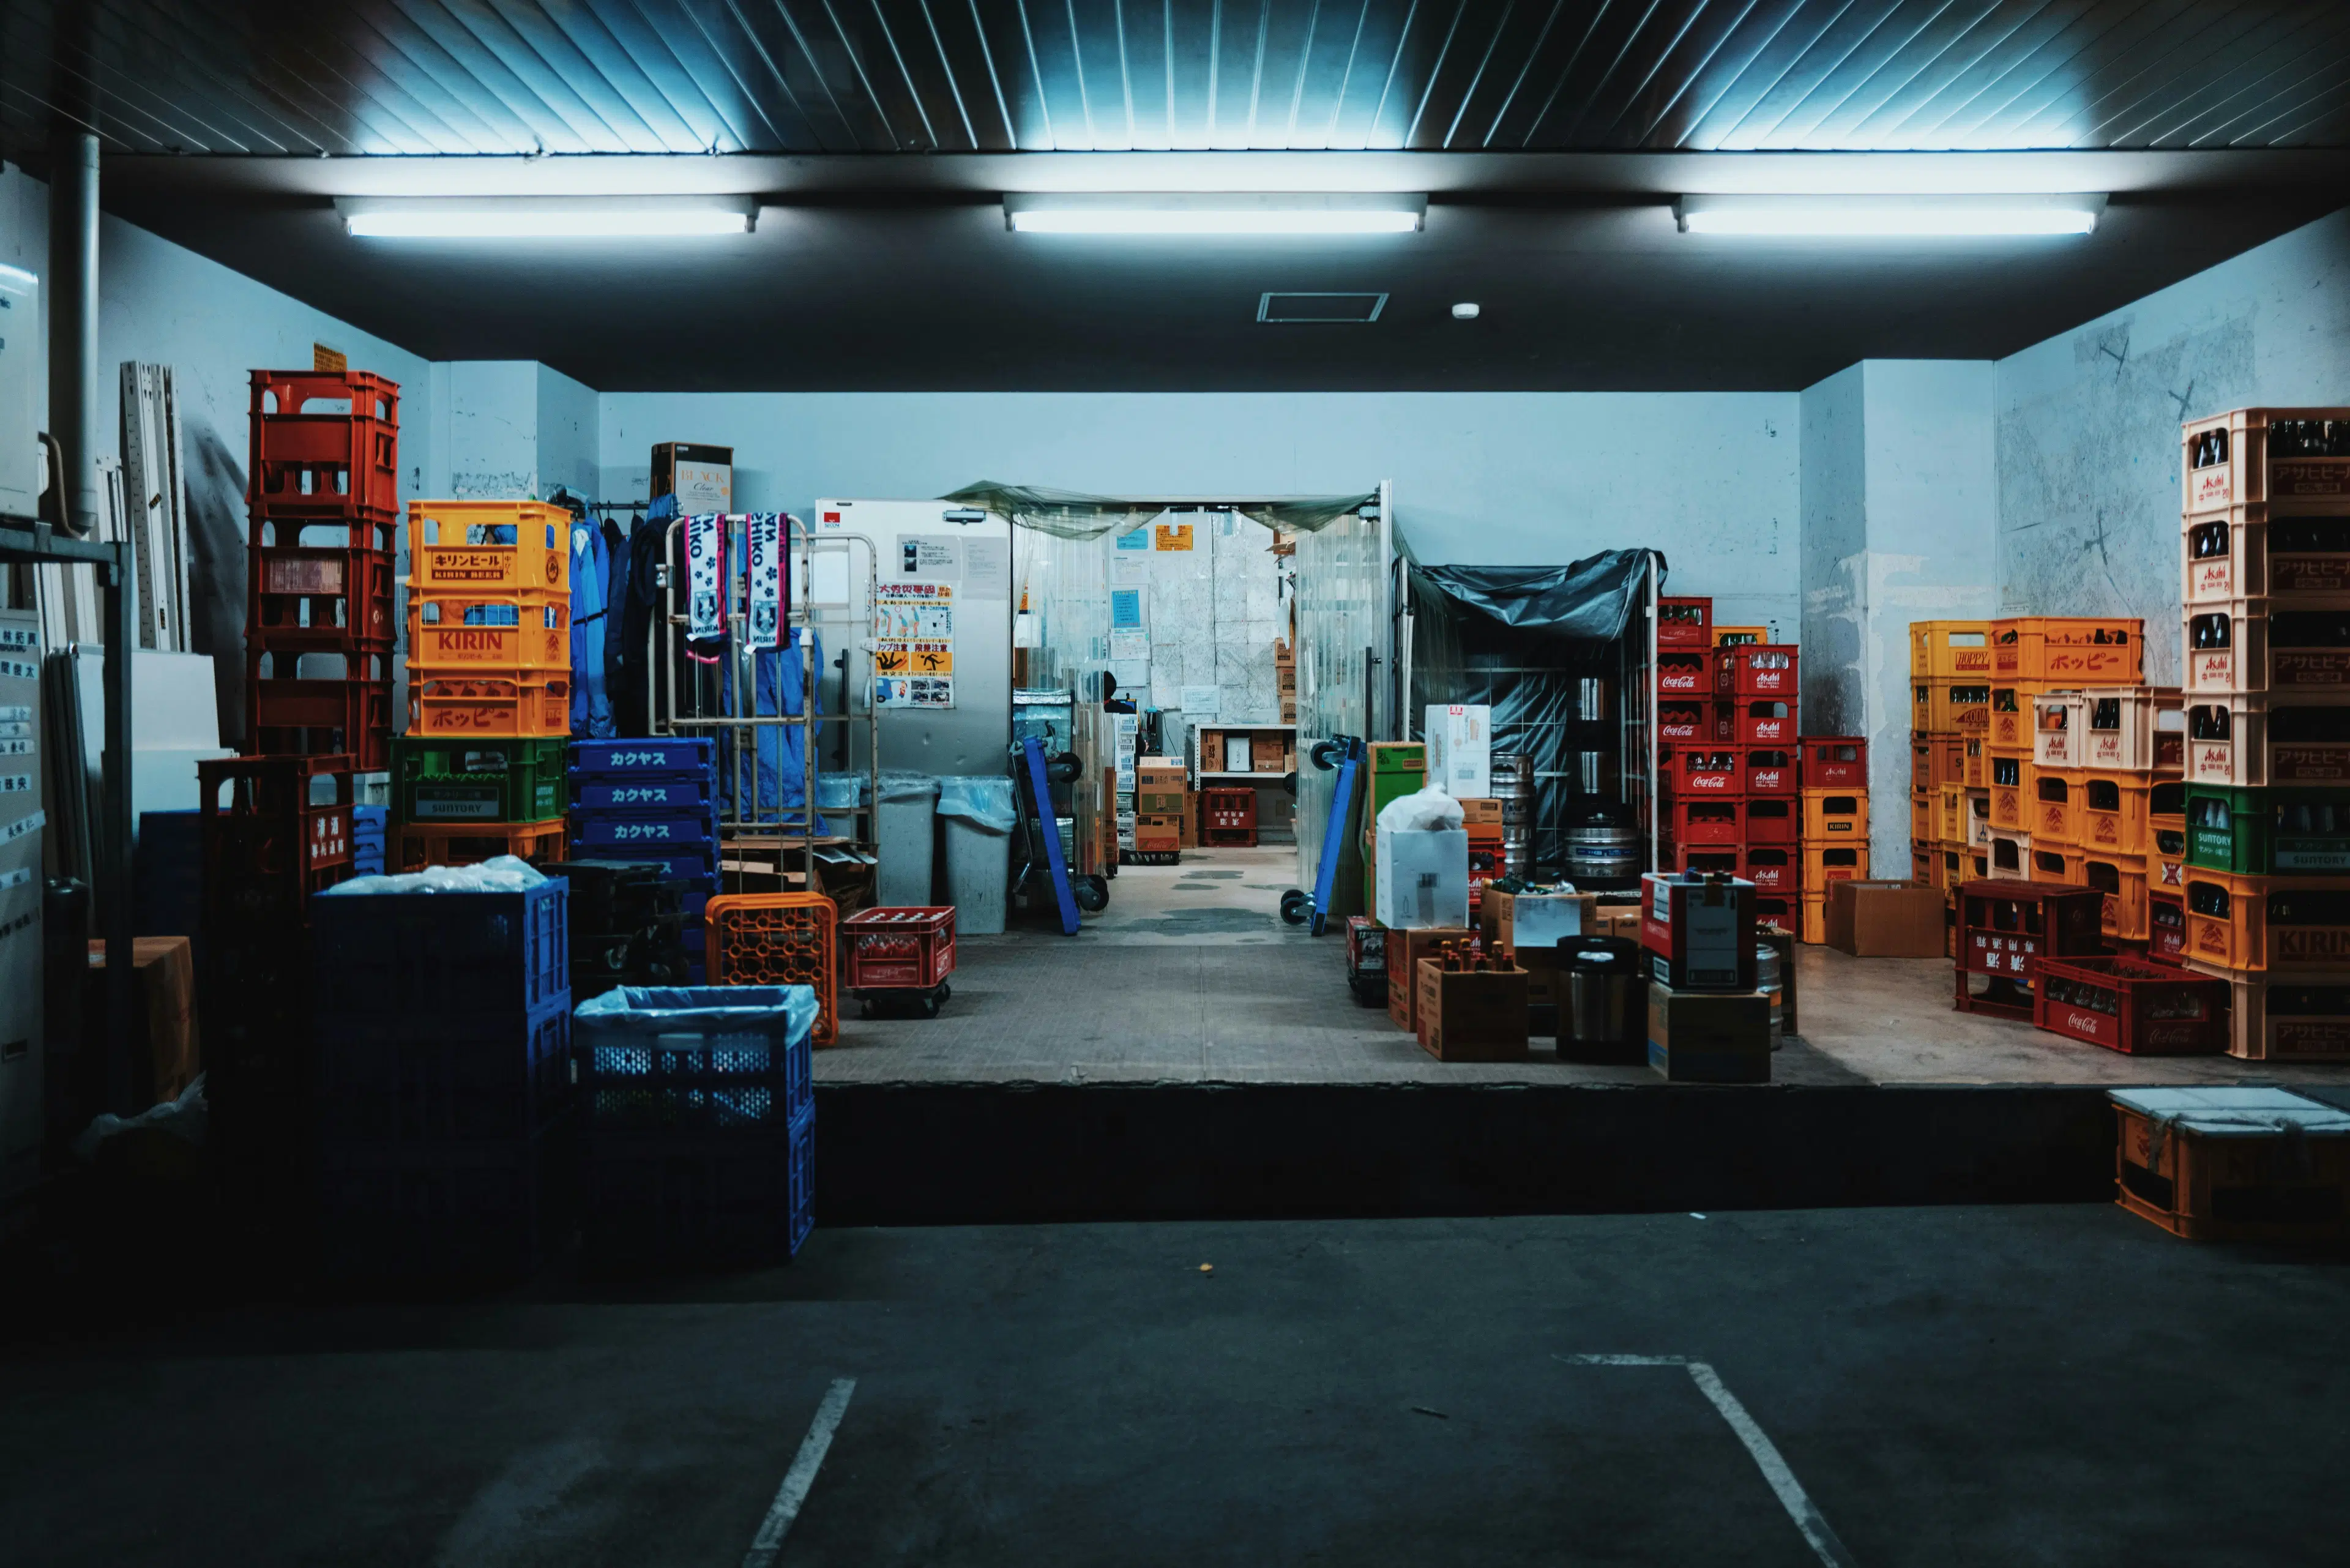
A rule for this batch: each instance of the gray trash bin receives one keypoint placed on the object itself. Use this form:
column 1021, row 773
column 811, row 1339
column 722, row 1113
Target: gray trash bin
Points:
column 904, row 821
column 979, row 817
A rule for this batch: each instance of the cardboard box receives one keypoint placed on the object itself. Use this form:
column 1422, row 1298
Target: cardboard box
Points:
column 1398, row 757
column 1289, row 708
column 1460, row 737
column 1540, row 965
column 165, row 1053
column 1285, row 679
column 1158, row 801
column 1539, row 919
column 1886, row 919
column 1271, row 757
column 1188, row 821
column 1404, row 952
column 1481, row 810
column 1617, row 920
column 1468, row 1015
column 1710, row 1036
column 1422, row 879
column 1212, row 751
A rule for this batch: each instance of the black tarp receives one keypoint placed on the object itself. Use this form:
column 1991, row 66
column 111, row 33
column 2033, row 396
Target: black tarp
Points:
column 1522, row 641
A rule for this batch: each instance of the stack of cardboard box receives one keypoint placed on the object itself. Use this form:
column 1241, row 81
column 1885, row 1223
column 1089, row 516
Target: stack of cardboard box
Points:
column 1709, row 1019
column 2266, row 556
column 1162, row 805
column 1284, row 678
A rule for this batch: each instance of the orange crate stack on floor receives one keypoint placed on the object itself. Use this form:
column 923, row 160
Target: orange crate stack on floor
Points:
column 2261, row 899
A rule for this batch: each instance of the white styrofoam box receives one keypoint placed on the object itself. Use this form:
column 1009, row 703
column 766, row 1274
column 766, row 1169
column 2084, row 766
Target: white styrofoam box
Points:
column 1423, row 877
column 1460, row 737
column 20, row 364
column 1240, row 754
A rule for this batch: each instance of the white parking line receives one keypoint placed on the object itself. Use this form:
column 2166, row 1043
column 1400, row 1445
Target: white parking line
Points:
column 1765, row 1453
column 800, row 1476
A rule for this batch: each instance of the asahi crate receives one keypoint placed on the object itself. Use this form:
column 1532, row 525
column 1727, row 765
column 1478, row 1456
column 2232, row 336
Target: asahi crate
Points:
column 2292, row 460
column 2133, row 728
column 2244, row 553
column 2286, row 1018
column 2248, row 742
column 2252, row 647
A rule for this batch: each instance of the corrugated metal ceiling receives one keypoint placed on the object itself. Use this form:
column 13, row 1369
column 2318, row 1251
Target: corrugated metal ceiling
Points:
column 504, row 77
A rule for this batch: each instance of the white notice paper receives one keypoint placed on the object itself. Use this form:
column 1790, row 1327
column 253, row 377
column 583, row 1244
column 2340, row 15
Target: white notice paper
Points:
column 935, row 556
column 1199, row 702
column 1129, row 569
column 1129, row 645
column 986, row 568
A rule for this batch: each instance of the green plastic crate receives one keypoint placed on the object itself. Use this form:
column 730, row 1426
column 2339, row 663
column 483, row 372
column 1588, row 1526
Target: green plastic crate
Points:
column 2274, row 832
column 438, row 781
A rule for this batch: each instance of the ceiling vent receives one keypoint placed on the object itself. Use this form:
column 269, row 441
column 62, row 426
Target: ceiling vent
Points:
column 1321, row 309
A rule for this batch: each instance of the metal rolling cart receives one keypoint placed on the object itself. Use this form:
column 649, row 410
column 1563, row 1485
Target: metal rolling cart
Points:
column 719, row 697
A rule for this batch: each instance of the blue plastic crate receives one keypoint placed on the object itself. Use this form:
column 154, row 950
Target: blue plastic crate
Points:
column 677, row 1058
column 666, row 754
column 696, row 869
column 628, row 833
column 666, row 1202
column 416, row 1082
column 168, row 875
column 652, row 794
column 418, row 956
column 475, row 1210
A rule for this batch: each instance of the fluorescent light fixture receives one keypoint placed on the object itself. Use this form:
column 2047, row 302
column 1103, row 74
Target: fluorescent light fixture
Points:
column 545, row 217
column 1889, row 216
column 1191, row 213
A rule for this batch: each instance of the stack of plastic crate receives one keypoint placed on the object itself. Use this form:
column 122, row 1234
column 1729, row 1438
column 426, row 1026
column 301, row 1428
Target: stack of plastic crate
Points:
column 1831, row 825
column 277, row 832
column 1949, row 768
column 371, row 826
column 479, row 773
column 2266, row 592
column 627, row 927
column 2034, row 812
column 1727, row 767
column 442, row 1028
column 652, row 801
column 2104, row 759
column 321, row 506
column 700, row 1124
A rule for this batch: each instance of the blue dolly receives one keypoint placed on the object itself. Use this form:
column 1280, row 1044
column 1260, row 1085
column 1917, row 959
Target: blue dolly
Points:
column 1091, row 893
column 1345, row 754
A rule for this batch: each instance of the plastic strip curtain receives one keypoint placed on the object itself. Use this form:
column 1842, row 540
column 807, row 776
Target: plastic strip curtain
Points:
column 1073, row 514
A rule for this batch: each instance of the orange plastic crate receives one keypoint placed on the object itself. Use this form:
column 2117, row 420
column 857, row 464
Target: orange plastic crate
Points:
column 2068, row 651
column 487, row 706
column 2122, row 879
column 2055, row 806
column 489, row 546
column 777, row 938
column 487, row 633
column 1832, row 815
column 471, row 843
column 1950, row 650
column 2267, row 923
column 2113, row 809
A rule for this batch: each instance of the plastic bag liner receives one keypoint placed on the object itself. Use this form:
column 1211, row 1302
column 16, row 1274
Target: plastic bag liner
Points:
column 499, row 874
column 698, row 1010
column 1073, row 514
column 839, row 792
column 981, row 799
column 1426, row 809
column 900, row 789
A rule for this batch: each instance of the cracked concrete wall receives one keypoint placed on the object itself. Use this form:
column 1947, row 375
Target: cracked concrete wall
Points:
column 2088, row 425
column 1834, row 555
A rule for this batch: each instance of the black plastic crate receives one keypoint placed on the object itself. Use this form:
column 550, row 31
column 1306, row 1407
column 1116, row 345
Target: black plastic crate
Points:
column 433, row 955
column 698, row 1200
column 616, row 895
column 422, row 1080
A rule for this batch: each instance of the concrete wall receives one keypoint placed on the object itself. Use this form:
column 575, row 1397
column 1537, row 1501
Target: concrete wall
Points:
column 1711, row 479
column 2088, row 425
column 1835, row 541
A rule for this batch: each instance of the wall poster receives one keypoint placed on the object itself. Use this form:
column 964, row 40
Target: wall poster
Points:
column 913, row 645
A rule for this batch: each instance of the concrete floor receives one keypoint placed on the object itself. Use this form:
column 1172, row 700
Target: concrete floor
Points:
column 1191, row 976
column 2023, row 1386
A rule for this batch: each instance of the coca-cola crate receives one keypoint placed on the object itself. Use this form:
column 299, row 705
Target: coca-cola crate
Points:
column 2286, row 1018
column 1684, row 623
column 1685, row 673
column 1684, row 724
column 2251, row 645
column 2289, row 459
column 900, row 949
column 325, row 444
column 474, row 633
column 1765, row 722
column 489, row 546
column 2132, row 728
column 1774, row 867
column 1950, row 650
column 277, row 830
column 1713, row 774
column 299, row 716
column 2245, row 554
column 1772, row 771
column 1762, row 669
column 2266, row 923
column 1834, row 761
column 2250, row 741
column 1774, row 819
column 1708, row 823
column 2132, row 1006
column 2067, row 651
column 329, row 600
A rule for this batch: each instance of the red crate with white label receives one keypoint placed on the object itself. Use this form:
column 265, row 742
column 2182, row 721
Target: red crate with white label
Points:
column 896, row 951
column 1685, row 673
column 2129, row 1005
column 1775, row 867
column 1713, row 823
column 1700, row 934
column 1765, row 722
column 1684, row 623
column 1834, row 761
column 1772, row 771
column 2006, row 927
column 269, row 841
column 1708, row 772
column 2282, row 458
column 1684, row 724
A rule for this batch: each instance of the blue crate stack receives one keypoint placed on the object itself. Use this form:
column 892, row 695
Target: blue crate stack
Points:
column 698, row 1112
column 653, row 801
column 369, row 825
column 442, row 1023
column 167, row 871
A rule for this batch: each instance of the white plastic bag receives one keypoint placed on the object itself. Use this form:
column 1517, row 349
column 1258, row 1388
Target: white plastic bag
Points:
column 499, row 874
column 1428, row 809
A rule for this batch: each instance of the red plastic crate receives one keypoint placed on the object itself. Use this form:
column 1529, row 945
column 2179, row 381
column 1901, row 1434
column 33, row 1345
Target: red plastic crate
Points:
column 904, row 947
column 1228, row 810
column 1685, row 673
column 1772, row 771
column 1708, row 823
column 2129, row 1005
column 323, row 600
column 1774, row 819
column 336, row 462
column 1684, row 623
column 1708, row 858
column 1834, row 761
column 2006, row 927
column 2165, row 926
column 1711, row 774
column 1762, row 669
column 296, row 717
column 1684, row 722
column 1765, row 722
column 1775, row 867
column 1725, row 723
column 269, row 843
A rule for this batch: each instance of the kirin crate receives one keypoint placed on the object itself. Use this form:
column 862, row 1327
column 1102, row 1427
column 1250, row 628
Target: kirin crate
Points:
column 489, row 546
column 2251, row 457
column 2245, row 554
column 2249, row 923
column 487, row 633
